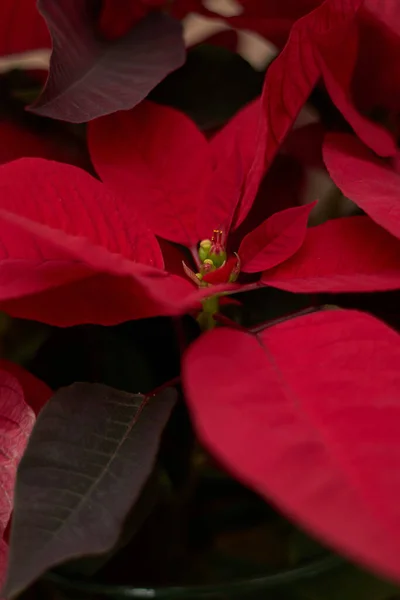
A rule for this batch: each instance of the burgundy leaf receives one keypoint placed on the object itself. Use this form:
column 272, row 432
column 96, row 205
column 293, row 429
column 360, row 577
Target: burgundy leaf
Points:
column 351, row 254
column 159, row 162
column 91, row 452
column 363, row 178
column 275, row 240
column 90, row 77
column 318, row 397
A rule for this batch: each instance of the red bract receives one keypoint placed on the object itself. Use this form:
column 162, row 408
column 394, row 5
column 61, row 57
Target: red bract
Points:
column 187, row 188
column 192, row 187
column 373, row 185
column 322, row 43
column 265, row 418
column 351, row 254
column 72, row 254
column 21, row 396
column 22, row 27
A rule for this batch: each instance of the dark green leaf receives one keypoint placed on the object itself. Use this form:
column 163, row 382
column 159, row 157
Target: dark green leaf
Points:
column 88, row 458
column 211, row 87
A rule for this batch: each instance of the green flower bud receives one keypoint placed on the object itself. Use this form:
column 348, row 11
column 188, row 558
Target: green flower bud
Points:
column 204, row 250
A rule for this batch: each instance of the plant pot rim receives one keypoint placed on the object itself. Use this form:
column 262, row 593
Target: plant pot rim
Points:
column 309, row 570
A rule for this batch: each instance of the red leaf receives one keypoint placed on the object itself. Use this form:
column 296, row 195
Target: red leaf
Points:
column 22, row 28
column 111, row 289
column 36, row 392
column 363, row 178
column 159, row 162
column 351, row 254
column 233, row 153
column 59, row 226
column 275, row 240
column 318, row 397
column 65, row 197
column 291, row 78
column 90, row 77
column 19, row 393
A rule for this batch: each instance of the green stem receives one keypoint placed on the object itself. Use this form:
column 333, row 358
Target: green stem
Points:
column 206, row 317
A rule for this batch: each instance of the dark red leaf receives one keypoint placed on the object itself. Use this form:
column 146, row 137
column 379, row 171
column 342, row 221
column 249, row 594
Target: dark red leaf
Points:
column 363, row 178
column 17, row 141
column 159, row 162
column 117, row 18
column 337, row 66
column 90, row 77
column 305, row 145
column 377, row 78
column 275, row 240
column 351, row 254
column 22, row 28
column 90, row 455
column 273, row 19
column 318, row 397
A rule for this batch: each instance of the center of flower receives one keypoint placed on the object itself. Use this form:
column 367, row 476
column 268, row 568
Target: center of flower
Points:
column 215, row 266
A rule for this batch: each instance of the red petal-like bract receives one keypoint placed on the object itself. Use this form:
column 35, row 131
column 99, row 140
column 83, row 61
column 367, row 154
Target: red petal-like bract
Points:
column 275, row 240
column 111, row 289
column 158, row 161
column 65, row 197
column 311, row 51
column 20, row 392
column 70, row 250
column 365, row 179
column 22, row 27
column 316, row 396
column 161, row 163
column 351, row 254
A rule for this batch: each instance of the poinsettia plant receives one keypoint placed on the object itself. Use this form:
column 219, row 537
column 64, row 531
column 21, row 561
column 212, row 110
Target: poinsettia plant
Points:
column 200, row 274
